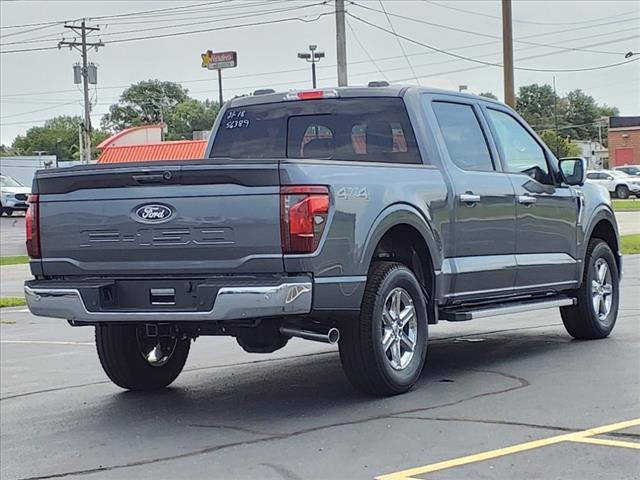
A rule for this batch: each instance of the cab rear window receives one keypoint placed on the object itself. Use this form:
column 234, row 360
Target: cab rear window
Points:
column 354, row 129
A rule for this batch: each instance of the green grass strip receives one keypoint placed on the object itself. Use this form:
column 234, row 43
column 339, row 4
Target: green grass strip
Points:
column 12, row 302
column 630, row 243
column 629, row 205
column 17, row 260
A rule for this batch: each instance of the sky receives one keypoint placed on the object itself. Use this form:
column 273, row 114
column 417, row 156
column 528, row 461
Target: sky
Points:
column 550, row 35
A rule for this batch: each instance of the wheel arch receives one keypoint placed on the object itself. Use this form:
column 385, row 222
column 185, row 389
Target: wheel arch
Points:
column 402, row 234
column 603, row 226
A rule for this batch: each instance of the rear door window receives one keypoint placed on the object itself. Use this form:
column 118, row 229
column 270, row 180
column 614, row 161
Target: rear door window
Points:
column 354, row 129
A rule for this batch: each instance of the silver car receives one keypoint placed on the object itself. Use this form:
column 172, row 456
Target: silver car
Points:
column 13, row 195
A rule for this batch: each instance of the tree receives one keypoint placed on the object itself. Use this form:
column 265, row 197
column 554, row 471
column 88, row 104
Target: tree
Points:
column 190, row 116
column 58, row 136
column 584, row 115
column 561, row 146
column 143, row 103
column 5, row 151
column 536, row 104
column 488, row 95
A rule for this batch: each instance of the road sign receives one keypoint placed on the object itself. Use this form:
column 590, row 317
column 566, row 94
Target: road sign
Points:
column 219, row 60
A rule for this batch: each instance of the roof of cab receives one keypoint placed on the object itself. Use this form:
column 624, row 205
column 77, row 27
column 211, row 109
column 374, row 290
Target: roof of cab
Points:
column 351, row 92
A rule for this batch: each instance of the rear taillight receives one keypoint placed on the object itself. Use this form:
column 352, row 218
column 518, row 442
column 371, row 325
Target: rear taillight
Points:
column 303, row 215
column 32, row 222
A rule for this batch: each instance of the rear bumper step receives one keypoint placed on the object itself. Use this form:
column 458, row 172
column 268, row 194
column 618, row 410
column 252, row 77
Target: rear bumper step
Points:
column 290, row 297
column 469, row 313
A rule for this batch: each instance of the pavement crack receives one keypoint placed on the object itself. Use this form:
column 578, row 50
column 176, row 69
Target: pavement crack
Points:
column 521, row 383
column 492, row 422
column 238, row 429
column 186, row 370
column 282, row 471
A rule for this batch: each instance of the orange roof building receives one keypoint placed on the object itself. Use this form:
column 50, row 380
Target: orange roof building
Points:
column 144, row 143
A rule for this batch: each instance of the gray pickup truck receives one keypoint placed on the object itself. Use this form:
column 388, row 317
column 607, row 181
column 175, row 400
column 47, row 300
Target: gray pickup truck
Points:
column 355, row 216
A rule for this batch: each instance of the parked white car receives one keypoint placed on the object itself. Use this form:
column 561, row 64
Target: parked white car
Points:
column 618, row 183
column 13, row 195
column 633, row 170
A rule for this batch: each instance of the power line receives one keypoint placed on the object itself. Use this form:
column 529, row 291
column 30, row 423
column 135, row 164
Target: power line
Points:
column 157, row 10
column 12, row 34
column 12, row 96
column 191, row 32
column 202, row 20
column 404, row 53
column 217, row 19
column 38, row 110
column 366, row 52
column 481, row 34
column 490, row 64
column 170, row 17
column 486, row 15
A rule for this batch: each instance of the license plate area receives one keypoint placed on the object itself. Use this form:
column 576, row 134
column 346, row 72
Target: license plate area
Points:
column 157, row 294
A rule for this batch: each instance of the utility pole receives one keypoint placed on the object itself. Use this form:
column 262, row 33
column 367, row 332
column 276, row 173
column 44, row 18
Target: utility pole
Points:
column 341, row 44
column 507, row 54
column 312, row 58
column 555, row 117
column 82, row 48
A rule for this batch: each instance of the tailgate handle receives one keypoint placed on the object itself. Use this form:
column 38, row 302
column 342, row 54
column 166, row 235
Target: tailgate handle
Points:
column 153, row 177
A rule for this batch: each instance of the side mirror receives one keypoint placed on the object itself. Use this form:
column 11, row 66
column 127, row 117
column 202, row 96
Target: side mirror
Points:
column 573, row 171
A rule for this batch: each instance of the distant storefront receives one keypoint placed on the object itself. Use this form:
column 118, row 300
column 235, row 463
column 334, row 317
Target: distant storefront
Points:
column 624, row 141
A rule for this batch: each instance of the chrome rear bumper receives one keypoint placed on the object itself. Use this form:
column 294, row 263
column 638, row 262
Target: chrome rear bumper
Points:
column 291, row 297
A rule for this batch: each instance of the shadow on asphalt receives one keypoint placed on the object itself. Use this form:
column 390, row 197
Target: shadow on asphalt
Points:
column 314, row 386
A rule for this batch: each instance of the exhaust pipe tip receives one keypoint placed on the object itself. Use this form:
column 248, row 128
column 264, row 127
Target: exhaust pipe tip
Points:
column 333, row 335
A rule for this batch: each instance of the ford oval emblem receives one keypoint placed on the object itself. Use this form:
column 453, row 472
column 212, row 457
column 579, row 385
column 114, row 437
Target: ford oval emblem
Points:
column 153, row 213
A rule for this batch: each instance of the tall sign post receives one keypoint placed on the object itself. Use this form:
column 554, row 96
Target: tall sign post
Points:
column 218, row 61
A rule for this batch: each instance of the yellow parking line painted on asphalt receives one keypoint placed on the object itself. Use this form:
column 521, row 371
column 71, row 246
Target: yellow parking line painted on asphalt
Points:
column 607, row 442
column 501, row 452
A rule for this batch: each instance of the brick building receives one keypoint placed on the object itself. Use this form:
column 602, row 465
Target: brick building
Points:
column 624, row 141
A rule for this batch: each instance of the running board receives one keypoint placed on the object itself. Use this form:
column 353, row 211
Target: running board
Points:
column 467, row 313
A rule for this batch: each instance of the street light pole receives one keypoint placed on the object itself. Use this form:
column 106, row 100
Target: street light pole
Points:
column 312, row 58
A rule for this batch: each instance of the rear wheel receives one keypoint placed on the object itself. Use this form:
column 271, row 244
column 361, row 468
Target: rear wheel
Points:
column 383, row 352
column 622, row 191
column 136, row 361
column 595, row 314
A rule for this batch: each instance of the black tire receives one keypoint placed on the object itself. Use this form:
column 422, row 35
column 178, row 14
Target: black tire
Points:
column 364, row 360
column 8, row 211
column 120, row 353
column 581, row 320
column 622, row 191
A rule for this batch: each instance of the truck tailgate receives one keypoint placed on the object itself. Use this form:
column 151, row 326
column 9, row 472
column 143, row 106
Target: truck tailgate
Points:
column 169, row 218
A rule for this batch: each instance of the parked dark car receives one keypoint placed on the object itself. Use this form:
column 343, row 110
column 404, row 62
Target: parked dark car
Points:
column 356, row 216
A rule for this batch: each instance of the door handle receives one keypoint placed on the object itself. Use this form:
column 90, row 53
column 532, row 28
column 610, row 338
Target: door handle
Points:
column 526, row 200
column 469, row 198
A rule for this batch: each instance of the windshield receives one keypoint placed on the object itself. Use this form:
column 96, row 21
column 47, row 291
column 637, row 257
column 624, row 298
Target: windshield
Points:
column 358, row 129
column 6, row 181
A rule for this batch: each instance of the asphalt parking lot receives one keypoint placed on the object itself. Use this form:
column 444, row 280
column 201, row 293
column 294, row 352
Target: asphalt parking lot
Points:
column 511, row 397
column 12, row 235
